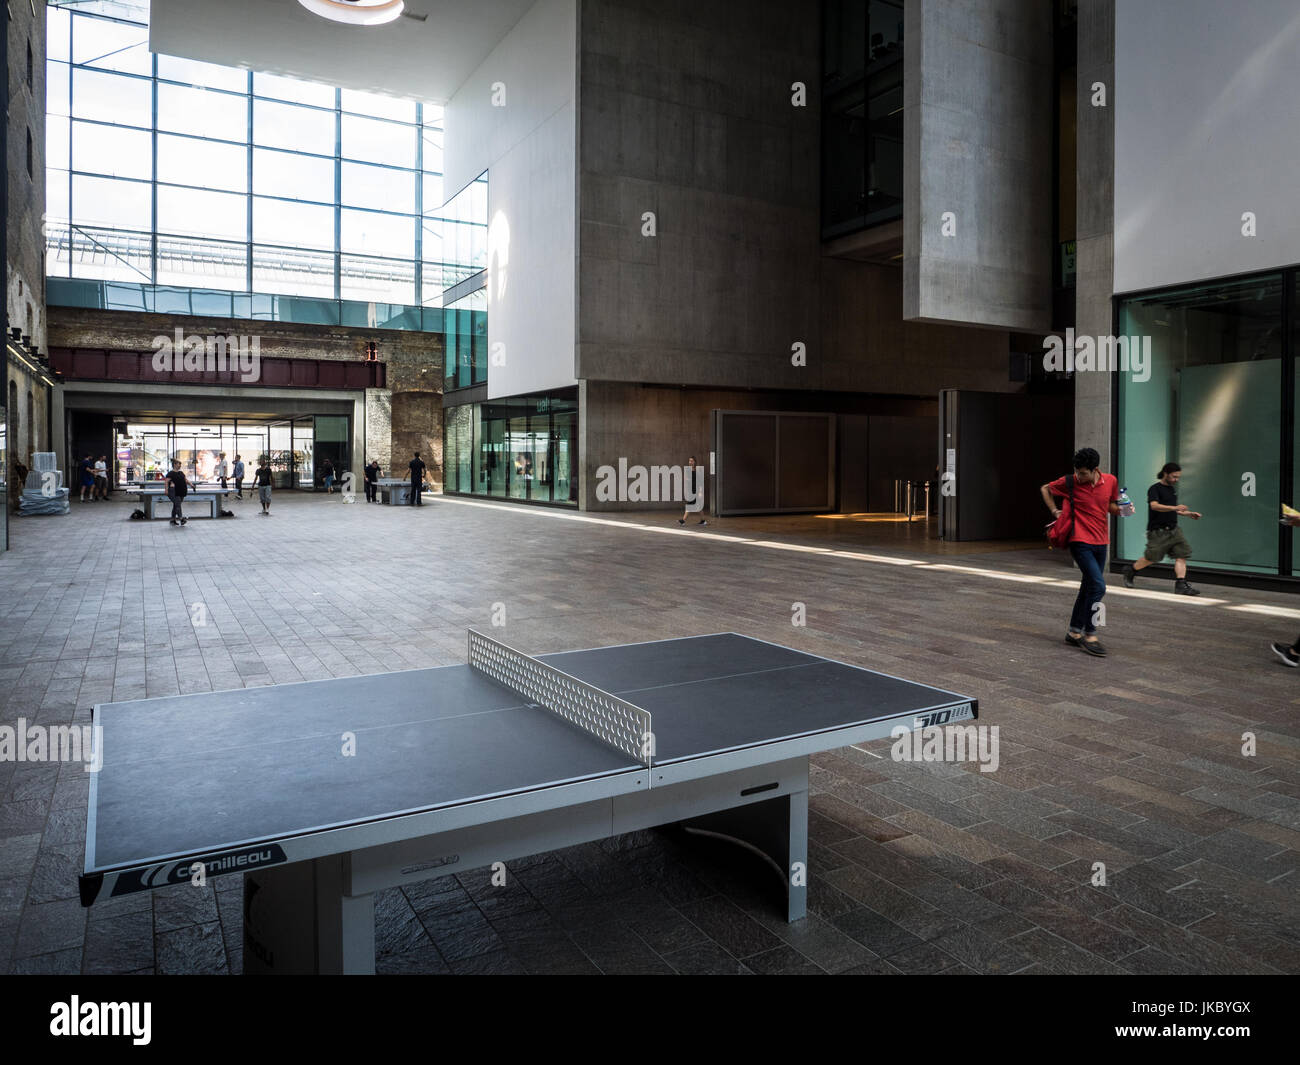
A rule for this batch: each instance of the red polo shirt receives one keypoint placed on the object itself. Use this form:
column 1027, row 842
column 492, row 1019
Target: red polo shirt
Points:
column 1091, row 508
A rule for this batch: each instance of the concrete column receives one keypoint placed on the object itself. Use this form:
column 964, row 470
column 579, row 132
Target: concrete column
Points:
column 1095, row 191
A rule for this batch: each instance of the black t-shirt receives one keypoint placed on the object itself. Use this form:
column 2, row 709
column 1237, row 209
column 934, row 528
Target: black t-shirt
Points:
column 1162, row 519
column 176, row 485
column 417, row 470
column 262, row 478
column 372, row 472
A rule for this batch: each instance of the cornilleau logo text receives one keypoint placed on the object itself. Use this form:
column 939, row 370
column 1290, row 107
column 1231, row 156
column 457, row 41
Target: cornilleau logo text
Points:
column 75, row 1017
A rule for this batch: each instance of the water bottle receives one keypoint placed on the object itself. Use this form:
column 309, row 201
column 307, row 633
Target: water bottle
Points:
column 1126, row 507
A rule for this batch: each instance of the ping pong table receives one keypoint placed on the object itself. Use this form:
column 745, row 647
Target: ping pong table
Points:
column 324, row 792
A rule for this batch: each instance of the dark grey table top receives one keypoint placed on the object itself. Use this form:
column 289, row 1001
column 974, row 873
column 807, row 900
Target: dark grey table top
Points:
column 192, row 773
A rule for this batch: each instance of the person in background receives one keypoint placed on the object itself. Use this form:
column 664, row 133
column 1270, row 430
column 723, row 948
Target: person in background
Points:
column 1096, row 496
column 177, row 487
column 18, row 483
column 692, row 486
column 372, row 473
column 417, row 480
column 101, row 478
column 221, row 471
column 1288, row 653
column 327, row 475
column 1164, row 537
column 86, row 478
column 238, row 472
column 262, row 479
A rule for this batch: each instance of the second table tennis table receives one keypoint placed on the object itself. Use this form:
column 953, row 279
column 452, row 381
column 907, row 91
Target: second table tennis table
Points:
column 324, row 792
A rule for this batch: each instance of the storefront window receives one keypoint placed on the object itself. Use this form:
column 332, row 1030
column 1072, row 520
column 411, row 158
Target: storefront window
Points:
column 1211, row 400
column 522, row 448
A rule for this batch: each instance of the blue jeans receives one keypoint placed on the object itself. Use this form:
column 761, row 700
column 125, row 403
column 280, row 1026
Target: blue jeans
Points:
column 1091, row 560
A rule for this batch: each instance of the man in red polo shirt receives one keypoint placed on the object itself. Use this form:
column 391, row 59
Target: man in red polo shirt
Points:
column 1095, row 499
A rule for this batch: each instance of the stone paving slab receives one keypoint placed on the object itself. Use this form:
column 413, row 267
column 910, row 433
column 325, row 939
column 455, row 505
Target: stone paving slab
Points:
column 1134, row 761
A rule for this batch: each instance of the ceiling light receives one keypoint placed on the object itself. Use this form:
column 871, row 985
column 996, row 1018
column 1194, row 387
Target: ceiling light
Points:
column 356, row 12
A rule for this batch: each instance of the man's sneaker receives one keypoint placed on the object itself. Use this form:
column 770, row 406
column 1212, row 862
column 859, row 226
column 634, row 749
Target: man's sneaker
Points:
column 681, row 521
column 703, row 522
column 184, row 520
column 1183, row 588
column 1073, row 639
column 1093, row 647
column 175, row 522
column 1288, row 656
column 1129, row 574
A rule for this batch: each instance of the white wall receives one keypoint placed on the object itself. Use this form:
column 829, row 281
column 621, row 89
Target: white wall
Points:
column 529, row 148
column 1207, row 126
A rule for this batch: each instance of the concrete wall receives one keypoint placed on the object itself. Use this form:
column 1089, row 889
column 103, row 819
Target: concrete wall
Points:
column 978, row 143
column 870, row 348
column 685, row 111
column 659, row 425
column 405, row 417
column 528, row 147
column 1205, row 130
column 1094, row 282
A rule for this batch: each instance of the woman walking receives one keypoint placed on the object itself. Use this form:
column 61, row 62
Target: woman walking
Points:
column 1093, row 496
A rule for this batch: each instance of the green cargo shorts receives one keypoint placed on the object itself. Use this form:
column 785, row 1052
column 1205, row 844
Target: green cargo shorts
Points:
column 1161, row 542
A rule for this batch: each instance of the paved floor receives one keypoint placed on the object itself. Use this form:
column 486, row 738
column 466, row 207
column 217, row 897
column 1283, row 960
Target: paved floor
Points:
column 1134, row 761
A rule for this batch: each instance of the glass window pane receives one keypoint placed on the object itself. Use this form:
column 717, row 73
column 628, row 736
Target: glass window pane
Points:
column 294, row 90
column 111, row 45
column 375, row 141
column 211, row 164
column 202, row 263
column 378, row 188
column 192, row 72
column 57, row 88
column 295, row 225
column 293, row 272
column 296, row 177
column 113, row 150
column 112, row 98
column 202, row 213
column 56, row 195
column 432, row 145
column 378, row 234
column 369, row 103
column 220, row 115
column 1205, row 394
column 378, row 280
column 102, row 254
column 433, row 195
column 107, row 202
column 57, row 131
column 58, row 31
column 300, row 129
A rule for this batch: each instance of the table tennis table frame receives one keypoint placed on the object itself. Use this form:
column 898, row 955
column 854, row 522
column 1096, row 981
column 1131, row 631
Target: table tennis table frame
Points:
column 312, row 909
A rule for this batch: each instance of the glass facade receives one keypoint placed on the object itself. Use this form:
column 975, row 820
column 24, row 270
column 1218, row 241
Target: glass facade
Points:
column 296, row 201
column 1217, row 395
column 862, row 114
column 524, row 448
column 297, row 448
column 465, row 329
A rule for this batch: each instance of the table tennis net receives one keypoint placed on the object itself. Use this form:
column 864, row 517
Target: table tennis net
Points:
column 613, row 721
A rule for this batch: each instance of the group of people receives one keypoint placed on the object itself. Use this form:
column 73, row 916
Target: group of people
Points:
column 92, row 476
column 416, row 467
column 1092, row 496
column 178, row 485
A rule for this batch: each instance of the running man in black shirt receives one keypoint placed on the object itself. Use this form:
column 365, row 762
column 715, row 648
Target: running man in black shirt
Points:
column 1164, row 537
column 177, row 487
column 417, row 480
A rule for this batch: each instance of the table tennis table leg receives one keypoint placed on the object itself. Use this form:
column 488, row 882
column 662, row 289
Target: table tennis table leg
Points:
column 778, row 828
column 298, row 921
